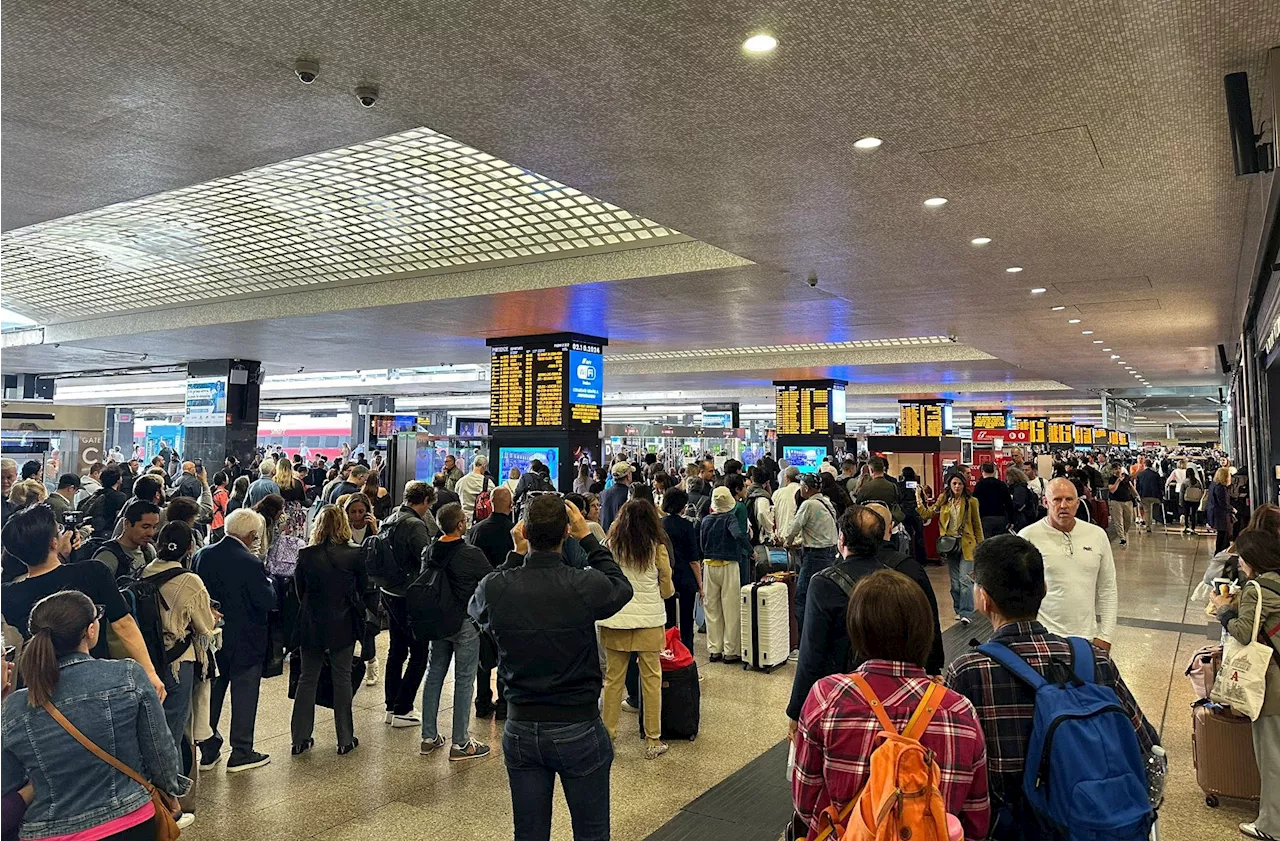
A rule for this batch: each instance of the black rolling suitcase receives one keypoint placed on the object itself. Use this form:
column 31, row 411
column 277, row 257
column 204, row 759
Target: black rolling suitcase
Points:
column 681, row 704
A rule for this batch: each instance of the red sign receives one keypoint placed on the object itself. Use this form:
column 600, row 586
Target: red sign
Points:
column 1152, row 444
column 1008, row 436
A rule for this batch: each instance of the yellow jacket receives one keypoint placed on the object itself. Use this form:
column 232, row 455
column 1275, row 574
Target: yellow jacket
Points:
column 970, row 530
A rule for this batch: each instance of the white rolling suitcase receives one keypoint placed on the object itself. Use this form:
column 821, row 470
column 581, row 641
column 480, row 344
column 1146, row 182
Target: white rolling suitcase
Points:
column 766, row 625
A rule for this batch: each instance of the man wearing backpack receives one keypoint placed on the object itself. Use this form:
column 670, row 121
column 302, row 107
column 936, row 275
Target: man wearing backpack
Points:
column 132, row 550
column 471, row 487
column 1009, row 585
column 759, row 505
column 454, row 638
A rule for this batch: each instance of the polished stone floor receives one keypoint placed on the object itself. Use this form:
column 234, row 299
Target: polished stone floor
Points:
column 386, row 791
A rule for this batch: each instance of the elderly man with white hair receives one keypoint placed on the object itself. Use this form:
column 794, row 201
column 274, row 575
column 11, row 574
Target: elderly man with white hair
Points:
column 1079, row 570
column 469, row 487
column 237, row 580
column 264, row 485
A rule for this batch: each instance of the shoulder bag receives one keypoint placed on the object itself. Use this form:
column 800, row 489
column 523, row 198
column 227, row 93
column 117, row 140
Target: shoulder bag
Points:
column 949, row 544
column 1242, row 682
column 165, row 804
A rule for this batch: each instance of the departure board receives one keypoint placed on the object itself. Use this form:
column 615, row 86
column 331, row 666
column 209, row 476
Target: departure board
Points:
column 1061, row 433
column 911, row 420
column 546, row 384
column 1083, row 435
column 990, row 420
column 1035, row 427
column 935, row 424
column 1101, row 436
column 1124, row 439
column 802, row 409
column 1113, row 438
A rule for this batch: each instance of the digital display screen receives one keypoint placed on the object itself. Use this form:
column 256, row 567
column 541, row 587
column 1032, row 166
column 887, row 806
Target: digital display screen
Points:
column 1083, row 435
column 990, row 420
column 1061, row 433
column 911, row 420
column 937, row 420
column 1124, row 439
column 549, row 384
column 585, row 378
column 1036, row 429
column 1101, row 436
column 717, row 420
column 522, row 457
column 838, row 405
column 802, row 409
column 928, row 420
column 1113, row 438
column 807, row 459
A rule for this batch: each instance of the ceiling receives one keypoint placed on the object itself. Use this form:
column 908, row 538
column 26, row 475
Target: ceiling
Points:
column 1090, row 144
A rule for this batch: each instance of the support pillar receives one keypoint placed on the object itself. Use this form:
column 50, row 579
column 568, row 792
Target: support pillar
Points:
column 221, row 416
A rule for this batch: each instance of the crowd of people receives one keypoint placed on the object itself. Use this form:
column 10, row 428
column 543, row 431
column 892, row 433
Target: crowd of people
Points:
column 552, row 610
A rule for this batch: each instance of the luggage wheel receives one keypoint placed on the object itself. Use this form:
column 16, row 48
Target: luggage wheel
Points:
column 1211, row 801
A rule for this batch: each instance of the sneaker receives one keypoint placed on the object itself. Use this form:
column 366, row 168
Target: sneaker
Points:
column 185, row 819
column 210, row 754
column 958, row 617
column 964, row 620
column 732, row 660
column 794, row 656
column 630, row 706
column 716, row 658
column 471, row 750
column 409, row 719
column 1251, row 829
column 653, row 750
column 371, row 672
column 248, row 762
column 429, row 746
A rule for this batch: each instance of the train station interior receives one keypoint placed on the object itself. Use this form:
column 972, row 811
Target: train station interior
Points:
column 932, row 235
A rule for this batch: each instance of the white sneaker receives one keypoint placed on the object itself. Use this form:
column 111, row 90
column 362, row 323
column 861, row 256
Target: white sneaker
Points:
column 629, row 707
column 1251, row 829
column 964, row 620
column 409, row 719
column 371, row 672
column 185, row 819
column 794, row 656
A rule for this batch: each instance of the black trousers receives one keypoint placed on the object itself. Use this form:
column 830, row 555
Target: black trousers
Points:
column 681, row 605
column 402, row 681
column 304, row 703
column 915, row 527
column 244, row 707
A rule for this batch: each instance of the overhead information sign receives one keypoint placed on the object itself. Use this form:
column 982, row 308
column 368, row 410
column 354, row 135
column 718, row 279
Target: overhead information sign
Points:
column 802, row 409
column 1036, row 429
column 924, row 420
column 1061, row 433
column 1101, row 436
column 1083, row 435
column 543, row 383
column 206, row 403
column 990, row 420
column 911, row 420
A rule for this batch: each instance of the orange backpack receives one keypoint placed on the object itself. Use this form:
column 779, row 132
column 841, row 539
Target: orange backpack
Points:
column 901, row 800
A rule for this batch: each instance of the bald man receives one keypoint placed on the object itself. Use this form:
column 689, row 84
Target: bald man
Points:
column 1079, row 570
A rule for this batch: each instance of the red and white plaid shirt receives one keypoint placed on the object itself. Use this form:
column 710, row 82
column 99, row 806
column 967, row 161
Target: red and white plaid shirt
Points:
column 838, row 731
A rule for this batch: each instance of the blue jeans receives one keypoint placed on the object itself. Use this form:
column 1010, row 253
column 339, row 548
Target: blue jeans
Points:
column 961, row 572
column 812, row 562
column 464, row 649
column 581, row 753
column 177, row 701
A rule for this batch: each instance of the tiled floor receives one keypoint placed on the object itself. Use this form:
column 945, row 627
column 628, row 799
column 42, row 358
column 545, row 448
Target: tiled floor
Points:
column 385, row 791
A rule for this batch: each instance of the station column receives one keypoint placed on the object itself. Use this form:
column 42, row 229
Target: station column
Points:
column 221, row 417
column 810, row 421
column 361, row 409
column 545, row 398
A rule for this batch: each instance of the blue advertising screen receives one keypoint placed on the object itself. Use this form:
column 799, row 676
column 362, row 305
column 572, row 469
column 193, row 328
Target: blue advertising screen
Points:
column 521, row 457
column 807, row 459
column 586, row 373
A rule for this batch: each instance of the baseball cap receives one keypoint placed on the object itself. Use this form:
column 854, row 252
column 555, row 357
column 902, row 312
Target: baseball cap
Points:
column 621, row 469
column 811, row 481
column 69, row 480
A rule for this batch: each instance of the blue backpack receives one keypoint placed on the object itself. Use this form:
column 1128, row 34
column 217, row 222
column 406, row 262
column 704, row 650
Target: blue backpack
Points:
column 1085, row 778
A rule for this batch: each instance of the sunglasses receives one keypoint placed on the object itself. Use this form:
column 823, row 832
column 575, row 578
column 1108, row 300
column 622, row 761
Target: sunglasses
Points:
column 99, row 612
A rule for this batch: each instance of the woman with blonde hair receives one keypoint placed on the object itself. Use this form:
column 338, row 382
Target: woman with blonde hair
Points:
column 1219, row 512
column 28, row 492
column 639, row 543
column 330, row 582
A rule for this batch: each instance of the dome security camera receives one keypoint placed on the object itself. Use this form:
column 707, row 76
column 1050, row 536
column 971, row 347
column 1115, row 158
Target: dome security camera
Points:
column 367, row 95
column 813, row 279
column 306, row 71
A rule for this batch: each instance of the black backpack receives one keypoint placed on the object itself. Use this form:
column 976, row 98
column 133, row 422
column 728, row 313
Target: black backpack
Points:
column 380, row 560
column 434, row 613
column 95, row 511
column 142, row 595
column 124, row 561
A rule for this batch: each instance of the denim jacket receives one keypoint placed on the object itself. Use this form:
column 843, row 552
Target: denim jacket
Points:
column 723, row 538
column 113, row 704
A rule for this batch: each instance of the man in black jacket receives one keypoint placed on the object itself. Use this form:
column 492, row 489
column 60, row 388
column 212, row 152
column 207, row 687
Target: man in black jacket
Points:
column 492, row 535
column 911, row 568
column 995, row 503
column 464, row 565
column 541, row 614
column 414, row 527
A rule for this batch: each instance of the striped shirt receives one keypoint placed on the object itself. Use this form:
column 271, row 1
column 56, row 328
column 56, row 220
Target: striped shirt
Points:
column 838, row 732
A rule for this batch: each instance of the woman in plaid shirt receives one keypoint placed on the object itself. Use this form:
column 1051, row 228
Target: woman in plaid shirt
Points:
column 889, row 623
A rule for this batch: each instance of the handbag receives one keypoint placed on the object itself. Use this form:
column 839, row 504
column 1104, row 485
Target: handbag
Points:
column 1242, row 682
column 165, row 804
column 949, row 544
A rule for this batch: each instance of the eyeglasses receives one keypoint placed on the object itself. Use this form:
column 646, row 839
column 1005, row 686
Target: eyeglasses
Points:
column 1066, row 535
column 99, row 612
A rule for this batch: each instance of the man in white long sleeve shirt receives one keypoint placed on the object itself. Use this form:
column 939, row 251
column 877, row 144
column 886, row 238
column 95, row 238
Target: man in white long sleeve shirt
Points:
column 1079, row 570
column 815, row 525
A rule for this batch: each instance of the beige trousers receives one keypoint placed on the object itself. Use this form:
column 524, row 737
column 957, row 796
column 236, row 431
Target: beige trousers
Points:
column 723, row 583
column 615, row 685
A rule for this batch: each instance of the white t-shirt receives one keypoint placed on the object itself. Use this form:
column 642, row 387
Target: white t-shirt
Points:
column 1079, row 577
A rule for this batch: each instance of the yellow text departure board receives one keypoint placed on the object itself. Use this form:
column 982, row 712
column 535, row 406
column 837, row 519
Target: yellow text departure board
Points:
column 547, row 384
column 990, row 420
column 1061, row 433
column 1035, row 427
column 934, row 425
column 1084, row 435
column 1101, row 436
column 911, row 420
column 802, row 409
column 1124, row 439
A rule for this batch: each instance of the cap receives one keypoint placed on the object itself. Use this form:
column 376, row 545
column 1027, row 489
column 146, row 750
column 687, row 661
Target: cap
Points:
column 811, row 481
column 69, row 480
column 621, row 469
column 721, row 500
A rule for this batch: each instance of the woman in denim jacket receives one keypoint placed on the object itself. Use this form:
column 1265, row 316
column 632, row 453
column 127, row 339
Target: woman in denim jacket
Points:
column 112, row 703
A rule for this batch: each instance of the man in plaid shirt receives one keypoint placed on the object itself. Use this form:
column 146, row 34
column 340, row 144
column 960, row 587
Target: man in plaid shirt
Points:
column 1008, row 579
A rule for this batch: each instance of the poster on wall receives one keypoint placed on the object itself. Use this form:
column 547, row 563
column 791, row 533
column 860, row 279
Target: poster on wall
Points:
column 206, row 402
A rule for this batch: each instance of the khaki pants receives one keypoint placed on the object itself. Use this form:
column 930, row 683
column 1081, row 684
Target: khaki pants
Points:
column 1150, row 504
column 724, row 612
column 615, row 680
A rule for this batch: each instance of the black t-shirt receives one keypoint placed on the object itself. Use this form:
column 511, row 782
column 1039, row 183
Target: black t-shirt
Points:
column 89, row 577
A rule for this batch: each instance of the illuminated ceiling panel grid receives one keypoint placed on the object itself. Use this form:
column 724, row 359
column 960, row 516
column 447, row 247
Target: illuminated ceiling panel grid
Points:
column 410, row 203
column 698, row 353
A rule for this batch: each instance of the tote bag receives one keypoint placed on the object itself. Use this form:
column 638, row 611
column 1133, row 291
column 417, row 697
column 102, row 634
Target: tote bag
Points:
column 1242, row 682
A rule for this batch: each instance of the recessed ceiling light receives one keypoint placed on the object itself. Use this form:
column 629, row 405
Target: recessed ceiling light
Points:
column 1114, row 355
column 1106, row 350
column 936, row 201
column 1040, row 290
column 1055, row 309
column 975, row 240
column 1014, row 269
column 867, row 142
column 1097, row 341
column 1073, row 321
column 1086, row 332
column 761, row 42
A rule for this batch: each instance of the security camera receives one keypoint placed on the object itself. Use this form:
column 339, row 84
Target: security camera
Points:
column 813, row 279
column 307, row 71
column 367, row 95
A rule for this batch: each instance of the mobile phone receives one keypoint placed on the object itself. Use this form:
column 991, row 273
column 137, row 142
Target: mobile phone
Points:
column 71, row 519
column 911, row 486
